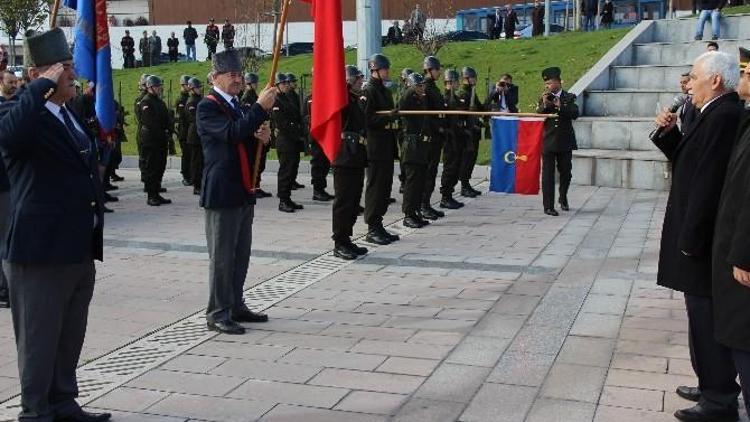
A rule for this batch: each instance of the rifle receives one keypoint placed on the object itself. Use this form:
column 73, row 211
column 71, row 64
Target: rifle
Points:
column 487, row 83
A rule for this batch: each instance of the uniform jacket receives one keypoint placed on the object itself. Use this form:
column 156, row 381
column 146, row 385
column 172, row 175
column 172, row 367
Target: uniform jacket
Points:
column 352, row 153
column 559, row 135
column 699, row 162
column 436, row 125
column 471, row 124
column 189, row 35
column 56, row 192
column 173, row 44
column 227, row 33
column 381, row 137
column 249, row 97
column 511, row 20
column 128, row 45
column 730, row 247
column 180, row 113
column 608, row 12
column 414, row 149
column 287, row 120
column 137, row 114
column 220, row 134
column 191, row 119
column 144, row 47
column 155, row 126
column 212, row 35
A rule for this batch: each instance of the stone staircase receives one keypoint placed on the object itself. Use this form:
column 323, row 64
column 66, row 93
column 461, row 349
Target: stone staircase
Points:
column 620, row 95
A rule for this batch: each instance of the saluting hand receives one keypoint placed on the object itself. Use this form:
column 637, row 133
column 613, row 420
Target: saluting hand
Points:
column 742, row 276
column 666, row 120
column 267, row 98
column 54, row 72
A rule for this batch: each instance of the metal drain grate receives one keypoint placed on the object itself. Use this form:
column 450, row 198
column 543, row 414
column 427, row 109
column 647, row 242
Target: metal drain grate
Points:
column 100, row 376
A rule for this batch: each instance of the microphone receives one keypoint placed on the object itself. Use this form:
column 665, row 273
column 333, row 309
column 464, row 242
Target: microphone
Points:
column 678, row 102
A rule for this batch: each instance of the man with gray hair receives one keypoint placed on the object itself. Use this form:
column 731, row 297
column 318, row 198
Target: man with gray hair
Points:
column 699, row 163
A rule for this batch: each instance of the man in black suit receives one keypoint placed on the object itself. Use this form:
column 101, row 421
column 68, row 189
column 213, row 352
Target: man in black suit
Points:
column 495, row 23
column 699, row 162
column 511, row 20
column 229, row 134
column 128, row 50
column 55, row 233
column 559, row 139
column 505, row 95
column 688, row 113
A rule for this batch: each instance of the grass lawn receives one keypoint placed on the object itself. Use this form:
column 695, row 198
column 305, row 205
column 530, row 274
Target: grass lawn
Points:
column 573, row 52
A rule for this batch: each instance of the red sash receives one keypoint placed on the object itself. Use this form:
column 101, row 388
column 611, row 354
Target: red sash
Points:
column 247, row 175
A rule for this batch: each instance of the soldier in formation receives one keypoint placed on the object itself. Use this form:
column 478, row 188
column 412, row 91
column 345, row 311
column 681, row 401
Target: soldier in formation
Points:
column 414, row 151
column 155, row 130
column 193, row 140
column 437, row 127
column 182, row 123
column 319, row 164
column 250, row 97
column 227, row 34
column 211, row 38
column 469, row 101
column 128, row 50
column 454, row 143
column 287, row 123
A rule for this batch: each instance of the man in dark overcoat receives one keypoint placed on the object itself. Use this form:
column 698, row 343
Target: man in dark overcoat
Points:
column 699, row 161
column 731, row 247
column 55, row 230
column 229, row 134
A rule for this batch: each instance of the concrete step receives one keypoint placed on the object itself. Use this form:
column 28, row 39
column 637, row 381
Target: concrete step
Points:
column 615, row 133
column 621, row 169
column 627, row 102
column 679, row 53
column 647, row 77
column 679, row 30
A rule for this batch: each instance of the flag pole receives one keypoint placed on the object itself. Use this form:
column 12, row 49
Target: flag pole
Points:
column 466, row 113
column 272, row 75
column 53, row 15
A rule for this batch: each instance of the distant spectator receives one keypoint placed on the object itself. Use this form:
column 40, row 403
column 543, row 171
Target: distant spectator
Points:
column 173, row 47
column 712, row 46
column 495, row 23
column 537, row 19
column 227, row 34
column 112, row 20
column 511, row 20
column 144, row 47
column 211, row 38
column 8, row 85
column 4, row 57
column 419, row 21
column 128, row 50
column 590, row 11
column 687, row 113
column 608, row 14
column 712, row 9
column 395, row 35
column 190, row 34
column 504, row 97
column 155, row 46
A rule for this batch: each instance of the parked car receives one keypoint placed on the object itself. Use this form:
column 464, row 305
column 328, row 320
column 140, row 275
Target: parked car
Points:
column 525, row 31
column 465, row 36
column 297, row 48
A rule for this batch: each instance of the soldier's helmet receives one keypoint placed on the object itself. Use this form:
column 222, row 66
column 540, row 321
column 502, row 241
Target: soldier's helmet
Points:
column 378, row 61
column 142, row 80
column 352, row 73
column 431, row 62
column 414, row 79
column 194, row 83
column 291, row 77
column 451, row 75
column 468, row 72
column 153, row 81
column 281, row 78
column 406, row 72
column 184, row 79
column 251, row 78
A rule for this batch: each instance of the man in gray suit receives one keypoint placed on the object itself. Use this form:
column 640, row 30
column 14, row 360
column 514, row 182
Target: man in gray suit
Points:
column 55, row 230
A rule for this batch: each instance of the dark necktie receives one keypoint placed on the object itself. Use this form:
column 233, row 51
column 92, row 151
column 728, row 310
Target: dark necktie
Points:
column 81, row 139
column 236, row 106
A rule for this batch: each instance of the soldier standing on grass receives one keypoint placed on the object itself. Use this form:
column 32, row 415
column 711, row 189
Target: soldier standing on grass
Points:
column 211, row 38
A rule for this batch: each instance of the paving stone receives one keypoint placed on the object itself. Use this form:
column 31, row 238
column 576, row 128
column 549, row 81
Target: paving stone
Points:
column 619, row 414
column 574, row 382
column 596, row 325
column 408, row 366
column 285, row 413
column 521, row 369
column 680, row 367
column 605, row 304
column 537, row 339
column 442, row 338
column 478, row 351
column 331, row 359
column 647, row 380
column 128, row 399
column 409, row 350
column 516, row 304
column 429, row 324
column 293, row 326
column 374, row 333
column 183, row 382
column 551, row 410
column 345, row 318
column 211, row 408
column 141, row 417
column 486, row 406
column 240, row 350
column 533, row 288
column 194, row 363
column 370, row 381
column 297, row 394
column 309, row 341
column 368, row 402
column 452, row 303
column 270, row 371
column 422, row 410
column 612, row 286
column 497, row 325
column 639, row 363
column 452, row 382
column 399, row 310
column 587, row 351
column 633, row 398
column 653, row 349
column 461, row 314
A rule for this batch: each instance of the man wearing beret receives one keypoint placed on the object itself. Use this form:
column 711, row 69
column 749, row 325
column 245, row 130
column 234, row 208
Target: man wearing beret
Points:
column 559, row 139
column 55, row 230
column 229, row 134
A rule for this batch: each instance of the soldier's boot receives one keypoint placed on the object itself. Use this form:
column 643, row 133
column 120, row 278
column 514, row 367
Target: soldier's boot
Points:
column 429, row 212
column 450, row 203
column 153, row 201
column 296, row 185
column 286, row 206
column 344, row 251
column 322, row 195
column 564, row 204
column 468, row 192
column 163, row 200
column 391, row 236
column 413, row 222
column 359, row 250
column 377, row 237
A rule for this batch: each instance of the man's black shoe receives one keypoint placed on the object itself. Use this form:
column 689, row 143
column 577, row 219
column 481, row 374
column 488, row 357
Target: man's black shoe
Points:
column 359, row 250
column 116, row 177
column 296, row 205
column 153, row 201
column 564, row 205
column 413, row 222
column 110, row 198
column 344, row 252
column 286, row 206
column 698, row 413
column 163, row 200
column 4, row 300
column 186, row 182
column 378, row 238
column 162, row 190
column 196, row 191
column 388, row 235
column 391, row 200
column 429, row 214
column 296, row 185
column 476, row 192
column 84, row 416
column 321, row 195
column 450, row 203
column 226, row 327
column 109, row 187
column 249, row 316
column 689, row 393
column 468, row 192
column 260, row 193
column 360, row 210
column 551, row 211
column 107, row 210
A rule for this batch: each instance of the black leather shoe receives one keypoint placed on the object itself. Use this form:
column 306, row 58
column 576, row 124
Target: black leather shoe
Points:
column 564, row 205
column 110, row 187
column 391, row 200
column 260, row 193
column 551, row 211
column 249, row 316
column 359, row 250
column 226, row 327
column 84, row 416
column 296, row 185
column 476, row 192
column 439, row 213
column 286, row 206
column 107, row 210
column 110, row 198
column 162, row 190
column 163, row 200
column 390, row 236
column 321, row 195
column 196, row 191
column 429, row 213
column 153, row 201
column 698, row 413
column 468, row 193
column 186, row 182
column 344, row 252
column 360, row 210
column 377, row 238
column 450, row 203
column 689, row 393
column 4, row 300
column 116, row 177
column 401, row 189
column 413, row 222
column 296, row 205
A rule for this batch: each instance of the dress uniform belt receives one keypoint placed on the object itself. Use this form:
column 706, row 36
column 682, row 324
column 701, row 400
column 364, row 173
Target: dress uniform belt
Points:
column 392, row 126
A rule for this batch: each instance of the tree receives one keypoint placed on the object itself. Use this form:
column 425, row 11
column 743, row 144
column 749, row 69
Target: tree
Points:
column 433, row 35
column 21, row 15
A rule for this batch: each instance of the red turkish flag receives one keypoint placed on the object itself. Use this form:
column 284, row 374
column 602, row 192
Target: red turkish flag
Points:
column 329, row 85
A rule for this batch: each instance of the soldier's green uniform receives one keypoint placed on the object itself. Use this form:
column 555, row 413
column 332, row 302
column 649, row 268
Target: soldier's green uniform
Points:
column 155, row 130
column 473, row 133
column 182, row 126
column 319, row 164
column 194, row 141
column 436, row 129
column 415, row 148
column 454, row 144
column 137, row 114
column 287, row 121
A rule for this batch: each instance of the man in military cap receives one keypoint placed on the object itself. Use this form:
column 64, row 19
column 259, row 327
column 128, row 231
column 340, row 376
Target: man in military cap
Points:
column 298, row 98
column 227, row 34
column 128, row 50
column 349, row 169
column 319, row 164
column 193, row 141
column 402, row 87
column 437, row 127
column 173, row 47
column 56, row 230
column 414, row 151
column 287, row 121
column 155, row 48
column 211, row 38
column 454, row 143
column 381, row 149
column 182, row 127
column 472, row 130
column 559, row 139
column 142, row 91
column 155, row 130
column 144, row 47
column 229, row 135
column 250, row 97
